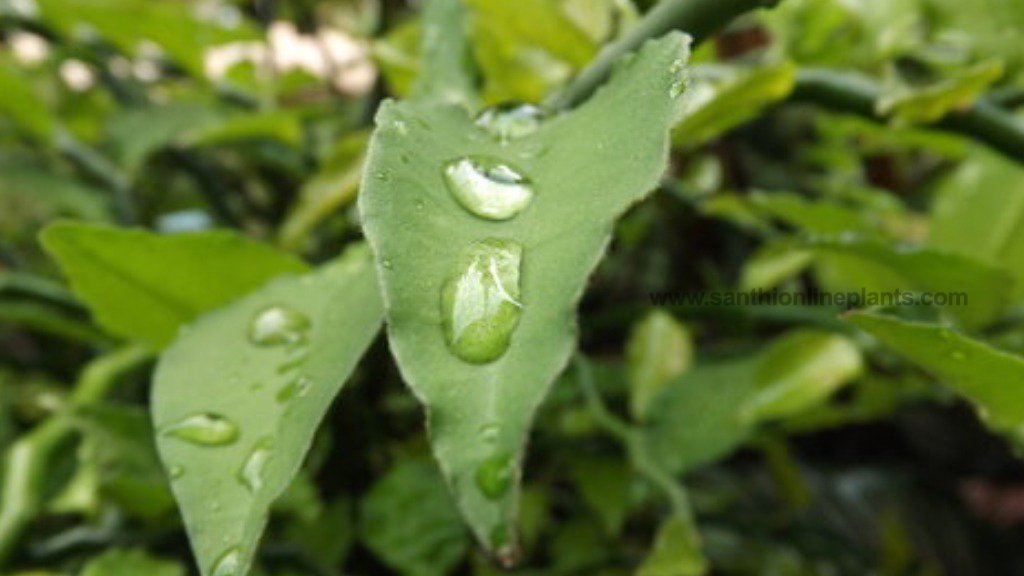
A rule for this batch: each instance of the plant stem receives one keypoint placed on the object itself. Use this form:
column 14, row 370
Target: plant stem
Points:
column 699, row 18
column 847, row 92
column 632, row 439
column 26, row 461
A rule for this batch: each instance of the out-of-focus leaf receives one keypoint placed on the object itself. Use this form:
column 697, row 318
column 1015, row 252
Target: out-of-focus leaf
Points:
column 326, row 539
column 480, row 412
column 676, row 551
column 979, row 213
column 540, row 23
column 283, row 126
column 695, row 420
column 605, row 484
column 238, row 397
column 719, row 100
column 798, row 371
column 144, row 286
column 398, row 56
column 976, row 293
column 930, row 103
column 659, row 349
column 32, row 197
column 138, row 132
column 173, row 26
column 772, row 265
column 987, row 377
column 21, row 105
column 331, row 188
column 117, row 562
column 119, row 443
column 815, row 216
column 410, row 523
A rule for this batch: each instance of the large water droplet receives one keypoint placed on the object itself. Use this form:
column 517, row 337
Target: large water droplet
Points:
column 206, row 429
column 278, row 325
column 510, row 121
column 229, row 564
column 480, row 304
column 251, row 472
column 487, row 188
column 494, row 476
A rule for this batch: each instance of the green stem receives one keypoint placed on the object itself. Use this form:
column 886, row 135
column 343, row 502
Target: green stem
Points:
column 847, row 92
column 27, row 461
column 699, row 18
column 633, row 441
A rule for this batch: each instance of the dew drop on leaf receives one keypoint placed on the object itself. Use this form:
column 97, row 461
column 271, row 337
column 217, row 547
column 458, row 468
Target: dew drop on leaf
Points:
column 489, row 433
column 176, row 471
column 228, row 564
column 206, row 429
column 278, row 325
column 250, row 474
column 296, row 388
column 958, row 355
column 494, row 476
column 509, row 121
column 679, row 84
column 480, row 303
column 487, row 188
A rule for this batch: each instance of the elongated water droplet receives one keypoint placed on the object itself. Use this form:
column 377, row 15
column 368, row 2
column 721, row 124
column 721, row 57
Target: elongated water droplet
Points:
column 229, row 564
column 206, row 429
column 296, row 388
column 278, row 325
column 176, row 471
column 679, row 83
column 487, row 188
column 490, row 432
column 510, row 121
column 494, row 476
column 251, row 472
column 480, row 304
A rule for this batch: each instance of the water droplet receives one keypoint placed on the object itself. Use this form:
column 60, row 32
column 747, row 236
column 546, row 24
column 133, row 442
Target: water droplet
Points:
column 494, row 476
column 509, row 121
column 277, row 325
column 383, row 176
column 387, row 264
column 176, row 471
column 958, row 355
column 257, row 386
column 490, row 432
column 229, row 564
column 207, row 429
column 480, row 303
column 488, row 188
column 251, row 472
column 401, row 127
column 293, row 364
column 679, row 83
column 296, row 388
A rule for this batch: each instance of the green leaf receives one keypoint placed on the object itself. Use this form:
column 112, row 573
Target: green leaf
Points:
column 989, row 378
column 409, row 522
column 721, row 99
column 130, row 563
column 917, row 105
column 144, row 286
column 799, row 371
column 696, row 421
column 540, row 23
column 676, row 551
column 20, row 103
column 119, row 442
column 238, row 398
column 979, row 213
column 331, row 188
column 282, row 125
column 605, row 484
column 976, row 293
column 479, row 411
column 659, row 349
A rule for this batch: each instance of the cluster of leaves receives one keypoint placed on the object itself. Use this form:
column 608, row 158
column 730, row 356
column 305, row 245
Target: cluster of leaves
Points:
column 173, row 352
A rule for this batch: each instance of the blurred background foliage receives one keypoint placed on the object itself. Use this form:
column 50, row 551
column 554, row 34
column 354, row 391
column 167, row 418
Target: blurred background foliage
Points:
column 806, row 446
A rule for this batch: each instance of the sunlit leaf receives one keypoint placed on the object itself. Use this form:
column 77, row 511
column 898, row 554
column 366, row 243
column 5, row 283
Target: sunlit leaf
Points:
column 676, row 551
column 659, row 349
column 117, row 562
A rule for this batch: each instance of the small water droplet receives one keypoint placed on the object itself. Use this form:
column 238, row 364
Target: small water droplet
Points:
column 487, row 188
column 257, row 386
column 251, row 472
column 176, row 471
column 490, row 432
column 278, row 325
column 480, row 304
column 228, row 564
column 679, row 83
column 420, row 204
column 382, row 176
column 958, row 355
column 296, row 388
column 510, row 121
column 206, row 429
column 293, row 364
column 401, row 127
column 494, row 476
column 387, row 263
